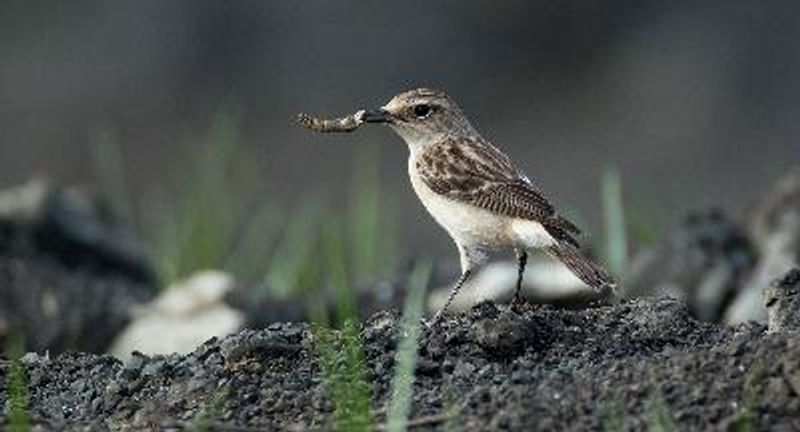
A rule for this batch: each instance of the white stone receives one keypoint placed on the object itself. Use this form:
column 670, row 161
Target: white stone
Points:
column 183, row 317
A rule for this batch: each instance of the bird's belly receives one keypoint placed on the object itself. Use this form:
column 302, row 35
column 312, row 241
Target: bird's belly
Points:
column 467, row 224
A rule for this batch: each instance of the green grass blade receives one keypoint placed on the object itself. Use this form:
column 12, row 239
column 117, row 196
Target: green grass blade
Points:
column 659, row 416
column 255, row 244
column 372, row 227
column 19, row 418
column 342, row 360
column 406, row 357
column 297, row 253
column 614, row 212
column 205, row 419
column 109, row 168
column 334, row 248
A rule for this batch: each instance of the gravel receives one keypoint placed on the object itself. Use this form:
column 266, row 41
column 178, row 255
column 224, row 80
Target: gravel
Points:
column 639, row 364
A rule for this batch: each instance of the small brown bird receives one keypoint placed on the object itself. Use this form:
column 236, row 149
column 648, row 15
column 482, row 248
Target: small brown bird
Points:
column 473, row 190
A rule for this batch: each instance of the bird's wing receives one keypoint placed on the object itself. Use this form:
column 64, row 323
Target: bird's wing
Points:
column 477, row 173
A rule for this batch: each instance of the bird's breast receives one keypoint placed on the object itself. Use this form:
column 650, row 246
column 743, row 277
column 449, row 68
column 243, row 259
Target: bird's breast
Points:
column 466, row 224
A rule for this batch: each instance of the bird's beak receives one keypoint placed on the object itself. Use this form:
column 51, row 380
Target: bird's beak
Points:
column 379, row 115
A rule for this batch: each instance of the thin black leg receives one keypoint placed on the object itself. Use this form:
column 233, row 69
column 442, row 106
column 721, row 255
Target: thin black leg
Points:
column 522, row 260
column 453, row 292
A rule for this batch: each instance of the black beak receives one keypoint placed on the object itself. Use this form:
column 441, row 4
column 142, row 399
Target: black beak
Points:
column 377, row 116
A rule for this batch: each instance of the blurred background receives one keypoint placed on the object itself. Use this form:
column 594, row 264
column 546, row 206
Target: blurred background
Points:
column 694, row 102
column 180, row 114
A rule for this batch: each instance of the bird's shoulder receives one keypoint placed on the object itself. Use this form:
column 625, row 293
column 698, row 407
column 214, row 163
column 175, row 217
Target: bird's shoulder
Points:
column 473, row 171
column 468, row 162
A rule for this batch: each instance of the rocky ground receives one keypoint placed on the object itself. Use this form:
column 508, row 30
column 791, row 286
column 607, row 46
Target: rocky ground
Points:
column 73, row 279
column 636, row 365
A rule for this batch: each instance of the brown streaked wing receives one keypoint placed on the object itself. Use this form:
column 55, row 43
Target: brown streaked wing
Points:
column 477, row 173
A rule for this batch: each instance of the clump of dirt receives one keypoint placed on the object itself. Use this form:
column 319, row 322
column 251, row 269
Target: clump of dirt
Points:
column 638, row 364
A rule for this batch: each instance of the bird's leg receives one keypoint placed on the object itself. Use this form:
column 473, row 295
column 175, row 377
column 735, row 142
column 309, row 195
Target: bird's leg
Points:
column 453, row 292
column 522, row 260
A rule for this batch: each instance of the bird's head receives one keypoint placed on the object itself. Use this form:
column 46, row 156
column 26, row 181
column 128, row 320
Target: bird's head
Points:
column 422, row 116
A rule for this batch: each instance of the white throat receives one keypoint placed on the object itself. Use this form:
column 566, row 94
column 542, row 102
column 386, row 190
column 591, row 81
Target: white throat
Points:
column 414, row 139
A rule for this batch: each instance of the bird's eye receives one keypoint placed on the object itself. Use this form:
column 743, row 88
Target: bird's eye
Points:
column 422, row 110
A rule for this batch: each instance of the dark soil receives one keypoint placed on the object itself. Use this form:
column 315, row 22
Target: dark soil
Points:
column 640, row 364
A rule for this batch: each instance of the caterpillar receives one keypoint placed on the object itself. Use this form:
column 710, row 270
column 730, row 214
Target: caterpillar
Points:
column 343, row 124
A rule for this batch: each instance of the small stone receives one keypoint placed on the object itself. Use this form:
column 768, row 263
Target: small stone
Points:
column 521, row 377
column 34, row 359
column 427, row 367
column 134, row 366
column 464, row 370
column 503, row 335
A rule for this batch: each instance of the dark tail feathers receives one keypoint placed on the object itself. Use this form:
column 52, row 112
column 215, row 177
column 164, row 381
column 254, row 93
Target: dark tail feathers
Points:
column 589, row 272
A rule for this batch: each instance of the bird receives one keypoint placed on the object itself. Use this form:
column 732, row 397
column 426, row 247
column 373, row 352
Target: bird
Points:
column 476, row 193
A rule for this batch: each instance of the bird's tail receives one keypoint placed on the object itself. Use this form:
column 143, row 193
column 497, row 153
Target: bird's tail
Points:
column 589, row 272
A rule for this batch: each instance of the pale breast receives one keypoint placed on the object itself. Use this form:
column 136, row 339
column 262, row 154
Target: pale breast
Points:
column 467, row 224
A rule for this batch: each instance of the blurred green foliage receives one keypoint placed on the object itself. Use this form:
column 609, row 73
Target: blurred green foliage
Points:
column 342, row 359
column 109, row 167
column 612, row 418
column 206, row 418
column 219, row 215
column 18, row 413
column 746, row 417
column 216, row 193
column 658, row 413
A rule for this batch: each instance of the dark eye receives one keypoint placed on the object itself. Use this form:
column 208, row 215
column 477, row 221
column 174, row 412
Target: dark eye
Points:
column 422, row 110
